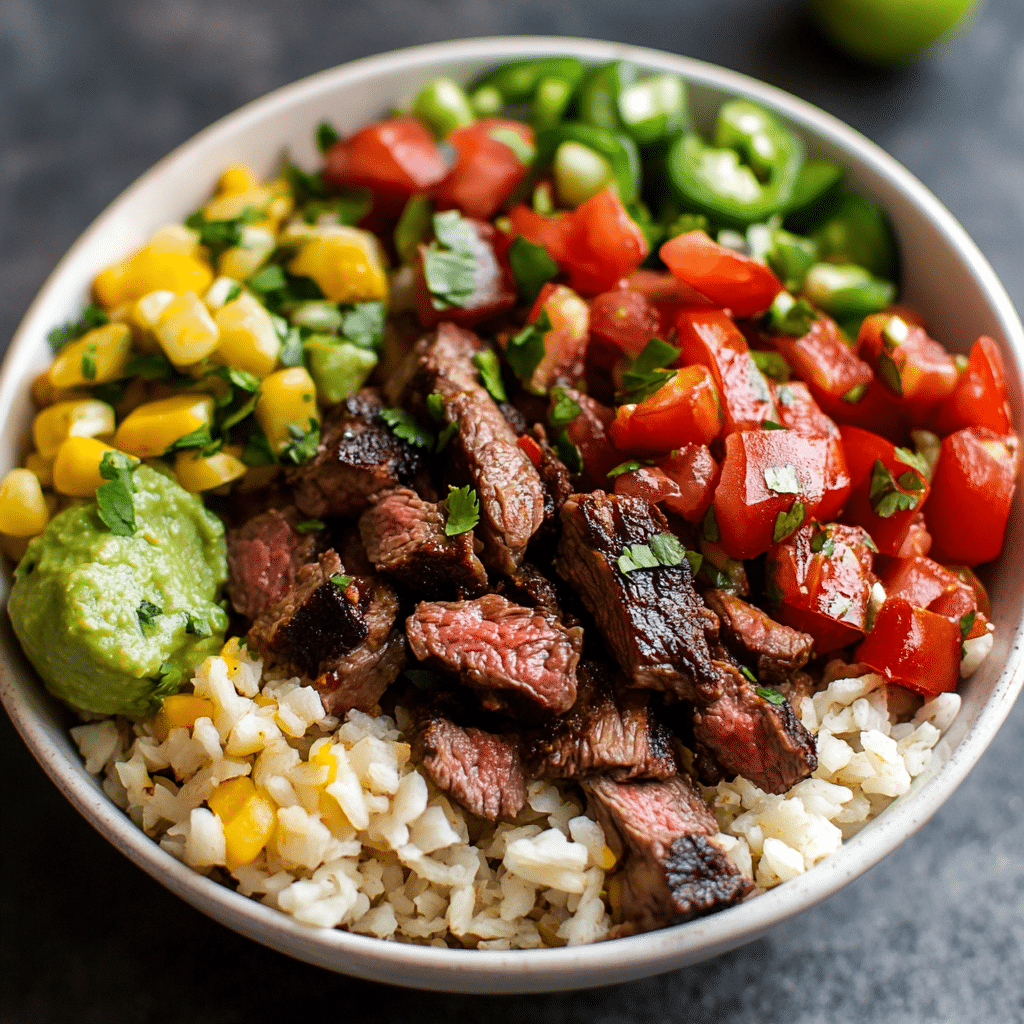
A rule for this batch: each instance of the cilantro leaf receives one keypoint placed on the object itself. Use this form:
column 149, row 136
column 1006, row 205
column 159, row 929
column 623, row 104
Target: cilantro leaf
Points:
column 309, row 526
column 648, row 374
column 463, row 507
column 668, row 549
column 709, row 526
column 772, row 425
column 636, row 556
column 269, row 279
column 147, row 613
column 404, row 426
column 532, row 267
column 526, row 349
column 564, row 409
column 199, row 438
column 445, row 436
column 89, row 362
column 257, row 451
column 967, row 624
column 114, row 503
column 663, row 549
column 788, row 522
column 889, row 371
column 196, row 626
column 822, row 543
column 782, row 479
column 341, row 582
column 788, row 315
column 623, row 467
column 92, row 316
column 770, row 695
column 568, row 452
column 449, row 264
column 149, row 366
column 303, row 445
column 885, row 495
column 772, row 364
column 171, row 680
column 326, row 136
column 291, row 348
column 218, row 235
column 362, row 323
column 486, row 362
column 746, row 673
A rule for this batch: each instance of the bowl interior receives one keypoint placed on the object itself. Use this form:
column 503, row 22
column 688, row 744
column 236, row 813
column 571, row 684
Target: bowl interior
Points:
column 945, row 277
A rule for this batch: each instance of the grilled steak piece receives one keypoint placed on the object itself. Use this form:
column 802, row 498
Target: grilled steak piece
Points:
column 404, row 537
column 529, row 586
column 605, row 733
column 777, row 651
column 484, row 452
column 479, row 770
column 652, row 619
column 335, row 633
column 514, row 657
column 554, row 475
column 358, row 457
column 673, row 869
column 746, row 734
column 263, row 557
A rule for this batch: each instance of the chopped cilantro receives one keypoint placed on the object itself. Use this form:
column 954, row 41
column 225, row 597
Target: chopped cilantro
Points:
column 855, row 394
column 647, row 374
column 770, row 695
column 663, row 549
column 772, row 364
column 564, row 409
column 889, row 371
column 446, row 434
column 787, row 522
column 449, row 263
column 218, row 235
column 885, row 495
column 240, row 413
column 624, row 467
column 695, row 559
column 568, row 452
column 303, row 444
column 710, row 526
column 197, row 626
column 405, row 427
column 532, row 267
column 237, row 378
column 637, row 556
column 782, row 479
column 486, row 362
column 114, row 503
column 362, row 323
column 341, row 582
column 291, row 348
column 772, row 425
column 92, row 316
column 526, row 349
column 269, row 279
column 326, row 136
column 789, row 315
column 309, row 526
column 147, row 613
column 89, row 362
column 198, row 438
column 149, row 366
column 822, row 543
column 746, row 673
column 435, row 407
column 463, row 507
column 232, row 293
column 257, row 451
column 668, row 549
column 967, row 624
column 413, row 227
column 304, row 186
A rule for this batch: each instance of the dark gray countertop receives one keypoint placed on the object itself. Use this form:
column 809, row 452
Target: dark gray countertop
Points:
column 91, row 94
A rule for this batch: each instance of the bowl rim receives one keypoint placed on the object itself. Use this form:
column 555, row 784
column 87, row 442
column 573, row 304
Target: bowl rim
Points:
column 474, row 970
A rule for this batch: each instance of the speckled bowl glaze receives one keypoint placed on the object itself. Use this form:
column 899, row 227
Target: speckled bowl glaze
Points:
column 945, row 276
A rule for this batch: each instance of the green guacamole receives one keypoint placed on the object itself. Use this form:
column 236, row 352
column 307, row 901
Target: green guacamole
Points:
column 106, row 620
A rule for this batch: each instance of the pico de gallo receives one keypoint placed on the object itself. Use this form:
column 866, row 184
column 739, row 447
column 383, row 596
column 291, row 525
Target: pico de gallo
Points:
column 726, row 311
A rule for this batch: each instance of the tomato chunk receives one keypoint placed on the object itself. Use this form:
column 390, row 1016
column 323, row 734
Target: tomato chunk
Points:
column 888, row 489
column 726, row 277
column 913, row 647
column 396, row 156
column 487, row 170
column 972, row 490
column 822, row 358
column 926, row 584
column 684, row 410
column 820, row 580
column 589, row 432
column 799, row 411
column 980, row 398
column 683, row 483
column 627, row 319
column 710, row 338
column 772, row 482
column 565, row 345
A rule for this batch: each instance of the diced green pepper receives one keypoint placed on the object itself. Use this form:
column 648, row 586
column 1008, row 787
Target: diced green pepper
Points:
column 619, row 151
column 599, row 95
column 442, row 105
column 338, row 369
column 517, row 81
column 857, row 231
column 414, row 226
column 550, row 102
column 846, row 291
column 532, row 267
column 651, row 109
column 579, row 173
column 791, row 256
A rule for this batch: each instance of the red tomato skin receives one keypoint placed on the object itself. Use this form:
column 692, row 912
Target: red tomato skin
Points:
column 746, row 508
column 972, row 491
column 589, row 432
column 825, row 595
column 823, row 360
column 874, row 411
column 396, row 156
column 917, row 540
column 918, row 372
column 798, row 411
column 685, row 410
column 913, row 647
column 663, row 288
column 626, row 319
column 694, row 470
column 918, row 579
column 862, row 449
column 494, row 291
column 722, row 275
column 487, row 172
column 565, row 345
column 533, row 451
column 709, row 337
column 554, row 233
column 980, row 398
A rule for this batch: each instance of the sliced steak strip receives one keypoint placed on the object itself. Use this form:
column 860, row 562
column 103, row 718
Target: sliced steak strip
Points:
column 263, row 557
column 404, row 537
column 339, row 639
column 358, row 458
column 745, row 734
column 484, row 451
column 603, row 734
column 673, row 869
column 514, row 657
column 775, row 650
column 480, row 770
column 652, row 619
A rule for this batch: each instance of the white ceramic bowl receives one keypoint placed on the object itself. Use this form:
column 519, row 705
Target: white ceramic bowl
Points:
column 946, row 278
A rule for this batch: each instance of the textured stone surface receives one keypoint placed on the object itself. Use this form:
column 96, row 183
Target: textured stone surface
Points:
column 91, row 95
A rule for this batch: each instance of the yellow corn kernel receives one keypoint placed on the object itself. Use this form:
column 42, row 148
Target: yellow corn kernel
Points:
column 14, row 547
column 43, row 468
column 608, row 858
column 248, row 338
column 150, row 270
column 175, row 238
column 286, row 406
column 144, row 314
column 345, row 262
column 76, row 470
column 243, row 260
column 273, row 201
column 186, row 331
column 237, row 179
column 149, row 430
column 247, row 817
column 180, row 711
column 23, row 511
column 197, row 472
column 83, row 417
column 97, row 357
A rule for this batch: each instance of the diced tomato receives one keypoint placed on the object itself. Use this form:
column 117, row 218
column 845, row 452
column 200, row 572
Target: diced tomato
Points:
column 396, row 156
column 822, row 358
column 627, row 319
column 966, row 575
column 493, row 290
column 487, row 171
column 695, row 472
column 726, row 277
column 900, row 490
column 663, row 288
column 799, row 411
column 820, row 580
column 565, row 345
column 710, row 338
column 972, row 490
column 926, row 584
column 589, row 432
column 913, row 647
column 772, row 482
column 597, row 244
column 917, row 541
column 980, row 398
column 684, row 410
column 916, row 369
column 874, row 410
column 533, row 451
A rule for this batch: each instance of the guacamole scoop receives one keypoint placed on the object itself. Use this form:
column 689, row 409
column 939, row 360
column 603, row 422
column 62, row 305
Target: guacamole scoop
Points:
column 112, row 624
